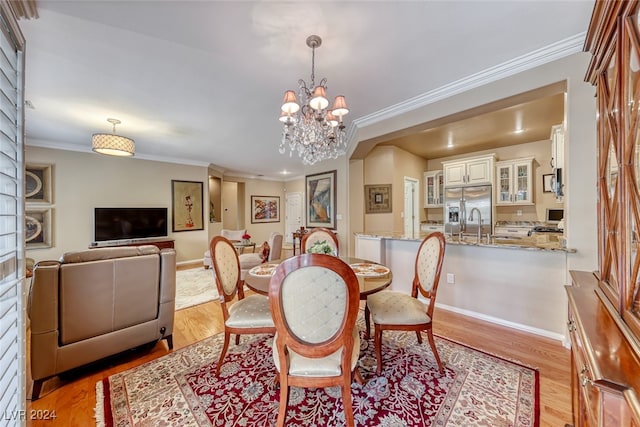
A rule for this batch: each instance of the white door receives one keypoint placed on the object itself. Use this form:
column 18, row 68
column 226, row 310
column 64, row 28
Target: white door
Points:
column 411, row 213
column 293, row 218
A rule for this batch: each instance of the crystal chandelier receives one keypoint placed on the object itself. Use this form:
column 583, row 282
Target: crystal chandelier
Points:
column 313, row 130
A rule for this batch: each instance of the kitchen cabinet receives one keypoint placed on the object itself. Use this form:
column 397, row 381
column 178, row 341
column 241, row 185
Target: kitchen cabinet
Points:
column 514, row 182
column 469, row 171
column 434, row 189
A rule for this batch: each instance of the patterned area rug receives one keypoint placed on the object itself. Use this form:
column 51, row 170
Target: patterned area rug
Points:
column 181, row 389
column 194, row 286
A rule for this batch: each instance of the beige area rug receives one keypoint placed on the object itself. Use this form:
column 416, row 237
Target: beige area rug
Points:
column 194, row 286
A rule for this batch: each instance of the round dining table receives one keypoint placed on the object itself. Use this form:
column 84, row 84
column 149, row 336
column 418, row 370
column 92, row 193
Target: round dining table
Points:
column 372, row 277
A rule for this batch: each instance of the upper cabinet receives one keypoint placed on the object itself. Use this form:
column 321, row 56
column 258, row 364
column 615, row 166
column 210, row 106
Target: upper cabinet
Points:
column 469, row 171
column 434, row 189
column 514, row 182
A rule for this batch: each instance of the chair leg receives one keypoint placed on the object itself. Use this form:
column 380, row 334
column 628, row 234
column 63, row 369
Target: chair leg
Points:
column 237, row 339
column 432, row 343
column 419, row 336
column 284, row 400
column 346, row 403
column 367, row 315
column 225, row 346
column 378, row 344
column 169, row 339
column 357, row 376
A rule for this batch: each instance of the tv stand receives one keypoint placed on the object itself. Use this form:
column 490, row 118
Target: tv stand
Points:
column 161, row 243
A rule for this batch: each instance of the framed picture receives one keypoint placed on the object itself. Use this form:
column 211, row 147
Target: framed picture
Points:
column 320, row 202
column 547, row 181
column 38, row 228
column 377, row 198
column 265, row 209
column 37, row 183
column 186, row 205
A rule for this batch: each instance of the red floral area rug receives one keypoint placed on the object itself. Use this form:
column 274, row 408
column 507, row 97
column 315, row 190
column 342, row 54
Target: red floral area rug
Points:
column 181, row 389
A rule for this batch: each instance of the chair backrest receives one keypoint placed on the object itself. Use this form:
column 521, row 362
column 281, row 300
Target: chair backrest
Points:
column 318, row 235
column 227, row 268
column 275, row 246
column 314, row 302
column 428, row 266
column 233, row 234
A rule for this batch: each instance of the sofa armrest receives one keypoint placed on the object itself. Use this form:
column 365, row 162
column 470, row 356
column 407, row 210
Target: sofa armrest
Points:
column 167, row 275
column 42, row 307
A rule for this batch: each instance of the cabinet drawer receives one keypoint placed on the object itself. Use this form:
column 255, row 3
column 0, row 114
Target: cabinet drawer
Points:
column 589, row 395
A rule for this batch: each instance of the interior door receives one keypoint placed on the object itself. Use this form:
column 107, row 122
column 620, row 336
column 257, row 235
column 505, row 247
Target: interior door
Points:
column 411, row 213
column 293, row 219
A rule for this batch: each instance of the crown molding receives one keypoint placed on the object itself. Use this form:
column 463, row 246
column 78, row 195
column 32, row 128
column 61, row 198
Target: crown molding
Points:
column 549, row 53
column 72, row 147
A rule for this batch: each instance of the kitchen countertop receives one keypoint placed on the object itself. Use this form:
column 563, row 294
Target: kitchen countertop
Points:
column 536, row 243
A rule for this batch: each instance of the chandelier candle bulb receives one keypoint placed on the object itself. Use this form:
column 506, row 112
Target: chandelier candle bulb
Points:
column 309, row 127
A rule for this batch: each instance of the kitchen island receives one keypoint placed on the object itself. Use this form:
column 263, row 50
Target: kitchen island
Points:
column 514, row 282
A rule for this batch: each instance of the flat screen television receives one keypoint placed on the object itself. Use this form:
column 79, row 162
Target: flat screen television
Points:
column 129, row 223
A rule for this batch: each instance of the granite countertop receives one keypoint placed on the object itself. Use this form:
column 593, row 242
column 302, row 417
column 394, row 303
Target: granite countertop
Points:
column 537, row 242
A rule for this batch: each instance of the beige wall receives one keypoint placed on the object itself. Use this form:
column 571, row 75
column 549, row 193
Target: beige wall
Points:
column 83, row 181
column 390, row 165
column 259, row 231
column 541, row 151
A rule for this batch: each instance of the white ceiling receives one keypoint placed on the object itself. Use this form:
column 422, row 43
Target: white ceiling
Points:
column 202, row 81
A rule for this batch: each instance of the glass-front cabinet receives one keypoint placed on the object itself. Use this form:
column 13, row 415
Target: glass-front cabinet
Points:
column 434, row 189
column 514, row 182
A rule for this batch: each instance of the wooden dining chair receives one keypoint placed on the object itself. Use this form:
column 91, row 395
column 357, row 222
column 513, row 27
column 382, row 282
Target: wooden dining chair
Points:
column 314, row 300
column 392, row 310
column 248, row 315
column 316, row 235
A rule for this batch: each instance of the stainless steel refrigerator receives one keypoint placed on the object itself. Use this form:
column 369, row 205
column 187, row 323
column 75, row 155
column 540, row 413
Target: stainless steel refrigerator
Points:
column 464, row 207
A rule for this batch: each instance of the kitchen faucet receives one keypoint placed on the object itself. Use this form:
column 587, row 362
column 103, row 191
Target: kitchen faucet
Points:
column 479, row 222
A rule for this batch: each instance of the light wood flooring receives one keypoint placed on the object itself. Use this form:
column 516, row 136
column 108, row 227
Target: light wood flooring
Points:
column 73, row 396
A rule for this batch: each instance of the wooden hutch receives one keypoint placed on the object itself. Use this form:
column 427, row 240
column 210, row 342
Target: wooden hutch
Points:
column 604, row 307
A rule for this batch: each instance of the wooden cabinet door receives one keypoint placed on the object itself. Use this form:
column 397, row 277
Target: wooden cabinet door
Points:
column 479, row 171
column 455, row 174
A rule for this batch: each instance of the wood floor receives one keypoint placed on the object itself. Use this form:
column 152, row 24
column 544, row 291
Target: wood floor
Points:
column 73, row 397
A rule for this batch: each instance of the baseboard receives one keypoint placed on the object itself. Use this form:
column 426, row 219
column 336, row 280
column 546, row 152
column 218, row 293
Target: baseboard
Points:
column 189, row 263
column 518, row 326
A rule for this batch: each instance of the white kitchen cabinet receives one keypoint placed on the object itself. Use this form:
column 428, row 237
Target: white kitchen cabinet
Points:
column 514, row 182
column 433, row 189
column 469, row 171
column 557, row 146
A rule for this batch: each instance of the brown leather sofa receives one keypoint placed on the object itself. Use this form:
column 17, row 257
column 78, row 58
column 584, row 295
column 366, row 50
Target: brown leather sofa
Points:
column 96, row 303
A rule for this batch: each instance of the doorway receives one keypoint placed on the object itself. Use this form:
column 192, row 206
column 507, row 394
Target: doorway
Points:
column 411, row 214
column 293, row 217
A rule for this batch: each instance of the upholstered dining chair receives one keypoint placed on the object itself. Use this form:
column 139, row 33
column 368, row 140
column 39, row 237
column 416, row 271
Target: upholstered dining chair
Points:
column 248, row 315
column 314, row 301
column 392, row 310
column 274, row 251
column 318, row 235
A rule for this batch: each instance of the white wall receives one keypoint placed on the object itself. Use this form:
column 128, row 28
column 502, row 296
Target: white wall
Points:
column 83, row 181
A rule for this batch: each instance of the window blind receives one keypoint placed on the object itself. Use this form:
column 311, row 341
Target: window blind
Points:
column 12, row 280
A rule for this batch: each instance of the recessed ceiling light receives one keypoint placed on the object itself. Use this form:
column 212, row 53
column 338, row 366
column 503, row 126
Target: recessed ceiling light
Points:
column 285, row 172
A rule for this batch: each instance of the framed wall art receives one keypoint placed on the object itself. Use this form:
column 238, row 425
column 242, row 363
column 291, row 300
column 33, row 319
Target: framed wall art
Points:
column 320, row 202
column 377, row 198
column 38, row 228
column 265, row 209
column 37, row 182
column 187, row 212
